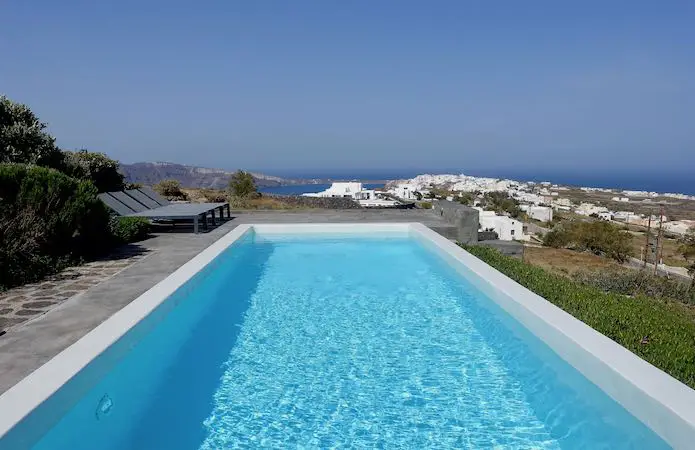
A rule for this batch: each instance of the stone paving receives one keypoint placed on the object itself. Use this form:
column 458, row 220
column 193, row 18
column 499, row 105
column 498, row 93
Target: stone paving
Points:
column 24, row 303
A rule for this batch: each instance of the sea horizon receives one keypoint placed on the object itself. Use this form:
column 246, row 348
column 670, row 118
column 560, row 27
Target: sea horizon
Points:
column 674, row 182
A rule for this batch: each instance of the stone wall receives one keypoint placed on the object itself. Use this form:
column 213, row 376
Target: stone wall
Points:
column 509, row 248
column 487, row 235
column 463, row 217
column 316, row 202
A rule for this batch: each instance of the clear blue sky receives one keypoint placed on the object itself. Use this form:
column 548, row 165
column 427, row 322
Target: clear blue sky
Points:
column 335, row 85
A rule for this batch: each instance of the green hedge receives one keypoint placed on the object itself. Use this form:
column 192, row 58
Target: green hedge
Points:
column 669, row 326
column 129, row 229
column 47, row 219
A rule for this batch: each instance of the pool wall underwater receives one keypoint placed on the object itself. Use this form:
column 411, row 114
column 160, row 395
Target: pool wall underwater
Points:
column 662, row 403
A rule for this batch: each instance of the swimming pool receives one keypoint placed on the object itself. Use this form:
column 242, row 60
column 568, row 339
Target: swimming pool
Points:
column 328, row 335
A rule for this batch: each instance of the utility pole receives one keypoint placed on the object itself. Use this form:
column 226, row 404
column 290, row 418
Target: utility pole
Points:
column 646, row 242
column 659, row 243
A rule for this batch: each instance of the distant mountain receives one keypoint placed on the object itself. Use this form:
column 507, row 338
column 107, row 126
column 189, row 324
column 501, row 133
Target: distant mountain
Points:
column 149, row 173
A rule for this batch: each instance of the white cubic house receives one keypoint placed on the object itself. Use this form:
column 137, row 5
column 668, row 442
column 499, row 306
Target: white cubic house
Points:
column 542, row 213
column 507, row 229
column 367, row 198
column 340, row 189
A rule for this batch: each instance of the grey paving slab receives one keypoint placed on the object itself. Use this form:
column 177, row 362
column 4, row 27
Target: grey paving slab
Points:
column 27, row 346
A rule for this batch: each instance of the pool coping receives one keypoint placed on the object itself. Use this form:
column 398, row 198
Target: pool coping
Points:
column 657, row 399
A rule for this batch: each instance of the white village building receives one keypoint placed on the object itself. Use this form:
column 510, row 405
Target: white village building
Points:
column 587, row 209
column 367, row 198
column 347, row 190
column 542, row 213
column 404, row 191
column 507, row 229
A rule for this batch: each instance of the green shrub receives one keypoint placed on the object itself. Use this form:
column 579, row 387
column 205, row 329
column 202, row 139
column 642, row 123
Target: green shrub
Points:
column 47, row 219
column 556, row 238
column 501, row 203
column 670, row 326
column 23, row 138
column 636, row 282
column 242, row 185
column 598, row 237
column 170, row 189
column 129, row 229
column 96, row 167
column 425, row 205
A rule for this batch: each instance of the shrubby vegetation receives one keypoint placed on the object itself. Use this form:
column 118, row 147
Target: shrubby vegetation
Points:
column 687, row 249
column 598, row 237
column 466, row 198
column 437, row 193
column 23, row 138
column 98, row 168
column 669, row 326
column 47, row 219
column 129, row 229
column 50, row 215
column 242, row 185
column 171, row 189
column 213, row 195
column 501, row 203
column 637, row 282
column 242, row 190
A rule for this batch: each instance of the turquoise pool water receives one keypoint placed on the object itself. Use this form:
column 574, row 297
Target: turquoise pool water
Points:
column 330, row 342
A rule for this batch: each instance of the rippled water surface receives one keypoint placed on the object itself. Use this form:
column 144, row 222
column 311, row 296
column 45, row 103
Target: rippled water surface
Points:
column 321, row 343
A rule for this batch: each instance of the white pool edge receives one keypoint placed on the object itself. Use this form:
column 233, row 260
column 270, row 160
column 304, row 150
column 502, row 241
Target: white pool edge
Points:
column 666, row 405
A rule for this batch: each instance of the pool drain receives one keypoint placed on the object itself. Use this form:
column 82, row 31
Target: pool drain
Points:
column 104, row 406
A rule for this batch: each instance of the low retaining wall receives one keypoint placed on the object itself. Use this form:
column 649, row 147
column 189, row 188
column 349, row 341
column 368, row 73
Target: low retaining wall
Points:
column 509, row 248
column 316, row 202
column 463, row 217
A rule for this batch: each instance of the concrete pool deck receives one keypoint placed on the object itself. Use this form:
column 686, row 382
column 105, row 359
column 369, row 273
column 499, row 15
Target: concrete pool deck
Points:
column 27, row 346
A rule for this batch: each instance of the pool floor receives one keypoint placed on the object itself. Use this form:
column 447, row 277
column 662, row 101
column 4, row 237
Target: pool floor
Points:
column 351, row 342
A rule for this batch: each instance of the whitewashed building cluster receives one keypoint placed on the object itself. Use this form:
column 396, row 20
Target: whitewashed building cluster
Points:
column 367, row 198
column 538, row 200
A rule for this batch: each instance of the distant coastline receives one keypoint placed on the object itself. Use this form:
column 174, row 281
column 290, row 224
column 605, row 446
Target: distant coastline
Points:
column 675, row 183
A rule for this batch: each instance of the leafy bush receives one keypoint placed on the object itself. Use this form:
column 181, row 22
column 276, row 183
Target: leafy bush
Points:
column 242, row 185
column 501, row 203
column 47, row 219
column 129, row 229
column 634, row 282
column 22, row 137
column 556, row 238
column 425, row 205
column 170, row 189
column 670, row 326
column 466, row 198
column 98, row 168
column 598, row 237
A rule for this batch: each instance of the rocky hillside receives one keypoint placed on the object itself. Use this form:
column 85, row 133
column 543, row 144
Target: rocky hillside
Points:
column 190, row 176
